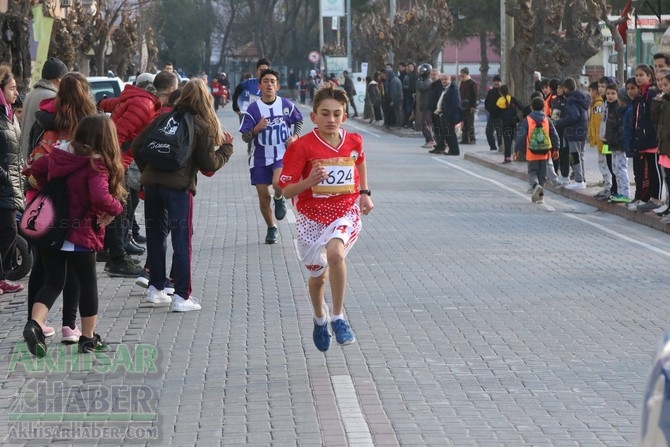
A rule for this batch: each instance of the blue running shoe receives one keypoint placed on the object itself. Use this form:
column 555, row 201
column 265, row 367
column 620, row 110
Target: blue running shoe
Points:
column 321, row 336
column 343, row 333
column 280, row 208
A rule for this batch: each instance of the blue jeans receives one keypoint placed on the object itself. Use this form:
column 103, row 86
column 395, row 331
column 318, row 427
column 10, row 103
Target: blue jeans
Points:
column 169, row 211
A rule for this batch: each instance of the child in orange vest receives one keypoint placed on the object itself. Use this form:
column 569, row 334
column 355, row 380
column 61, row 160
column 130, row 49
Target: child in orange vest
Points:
column 537, row 153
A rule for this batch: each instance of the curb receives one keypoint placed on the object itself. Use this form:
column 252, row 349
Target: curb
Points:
column 648, row 219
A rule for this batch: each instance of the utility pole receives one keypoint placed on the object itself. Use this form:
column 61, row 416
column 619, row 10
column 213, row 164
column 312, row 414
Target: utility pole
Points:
column 349, row 55
column 393, row 6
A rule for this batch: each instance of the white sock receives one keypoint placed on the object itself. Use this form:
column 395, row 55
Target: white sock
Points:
column 337, row 317
column 321, row 320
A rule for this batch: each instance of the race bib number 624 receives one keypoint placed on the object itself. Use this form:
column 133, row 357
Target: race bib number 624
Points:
column 340, row 178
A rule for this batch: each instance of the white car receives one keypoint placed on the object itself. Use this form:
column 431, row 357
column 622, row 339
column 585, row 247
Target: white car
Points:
column 104, row 87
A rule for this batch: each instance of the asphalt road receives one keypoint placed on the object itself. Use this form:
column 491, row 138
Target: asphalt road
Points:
column 482, row 320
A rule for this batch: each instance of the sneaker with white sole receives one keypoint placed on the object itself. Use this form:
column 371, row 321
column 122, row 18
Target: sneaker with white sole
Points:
column 576, row 186
column 155, row 296
column 651, row 205
column 143, row 279
column 48, row 330
column 321, row 334
column 179, row 304
column 69, row 335
column 537, row 194
column 634, row 204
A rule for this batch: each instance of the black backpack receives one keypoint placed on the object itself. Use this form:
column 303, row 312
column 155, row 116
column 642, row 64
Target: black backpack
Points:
column 169, row 145
column 45, row 221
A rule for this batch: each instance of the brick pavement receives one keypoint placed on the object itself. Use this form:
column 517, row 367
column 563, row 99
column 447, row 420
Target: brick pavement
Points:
column 472, row 329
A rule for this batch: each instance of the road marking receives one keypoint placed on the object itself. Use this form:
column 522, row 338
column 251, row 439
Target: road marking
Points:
column 481, row 177
column 355, row 426
column 550, row 208
column 621, row 236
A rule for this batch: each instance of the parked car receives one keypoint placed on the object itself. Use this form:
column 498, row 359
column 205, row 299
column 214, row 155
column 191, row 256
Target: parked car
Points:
column 104, row 87
column 655, row 424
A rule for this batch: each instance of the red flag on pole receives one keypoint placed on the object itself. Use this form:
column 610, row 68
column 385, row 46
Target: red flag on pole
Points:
column 623, row 26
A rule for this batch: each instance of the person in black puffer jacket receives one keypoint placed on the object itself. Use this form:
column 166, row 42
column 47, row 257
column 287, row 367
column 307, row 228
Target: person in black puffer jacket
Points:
column 11, row 181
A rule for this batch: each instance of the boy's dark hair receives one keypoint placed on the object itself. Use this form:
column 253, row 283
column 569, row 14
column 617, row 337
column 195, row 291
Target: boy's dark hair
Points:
column 662, row 56
column 536, row 94
column 612, row 87
column 164, row 80
column 537, row 104
column 329, row 92
column 267, row 72
column 631, row 80
column 569, row 84
column 263, row 61
column 593, row 86
column 504, row 90
column 544, row 83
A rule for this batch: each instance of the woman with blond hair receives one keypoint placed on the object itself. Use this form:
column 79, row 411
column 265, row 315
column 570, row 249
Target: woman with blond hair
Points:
column 168, row 195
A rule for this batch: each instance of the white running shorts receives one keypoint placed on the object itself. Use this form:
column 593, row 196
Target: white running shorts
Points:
column 314, row 236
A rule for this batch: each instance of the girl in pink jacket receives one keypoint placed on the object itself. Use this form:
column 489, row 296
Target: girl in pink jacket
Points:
column 91, row 162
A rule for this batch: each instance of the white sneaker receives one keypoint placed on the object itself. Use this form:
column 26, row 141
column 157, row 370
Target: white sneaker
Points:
column 633, row 205
column 661, row 209
column 537, row 194
column 576, row 186
column 156, row 296
column 179, row 304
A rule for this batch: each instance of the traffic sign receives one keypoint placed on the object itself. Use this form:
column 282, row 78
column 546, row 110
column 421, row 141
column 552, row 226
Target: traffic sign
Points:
column 314, row 57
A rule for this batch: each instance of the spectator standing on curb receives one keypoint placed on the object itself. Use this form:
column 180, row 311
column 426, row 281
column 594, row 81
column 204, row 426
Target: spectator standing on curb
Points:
column 408, row 95
column 661, row 113
column 53, row 71
column 373, row 95
column 493, row 122
column 328, row 218
column 612, row 135
column 267, row 124
column 468, row 91
column 643, row 134
column 574, row 126
column 424, row 85
column 510, row 109
column 448, row 110
column 350, row 90
column 557, row 110
column 393, row 100
column 595, row 121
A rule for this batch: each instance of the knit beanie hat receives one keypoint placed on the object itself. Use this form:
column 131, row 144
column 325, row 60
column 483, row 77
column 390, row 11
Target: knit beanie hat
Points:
column 53, row 68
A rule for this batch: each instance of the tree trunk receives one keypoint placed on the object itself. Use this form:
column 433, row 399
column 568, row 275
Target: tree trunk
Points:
column 550, row 37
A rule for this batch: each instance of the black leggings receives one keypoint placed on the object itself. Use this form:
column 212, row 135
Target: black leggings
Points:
column 8, row 233
column 56, row 266
column 70, row 290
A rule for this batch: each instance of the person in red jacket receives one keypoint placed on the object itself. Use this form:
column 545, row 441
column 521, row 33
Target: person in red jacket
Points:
column 218, row 93
column 91, row 163
column 132, row 111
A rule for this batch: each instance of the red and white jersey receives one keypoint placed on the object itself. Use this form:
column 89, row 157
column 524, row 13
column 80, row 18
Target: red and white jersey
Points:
column 333, row 197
